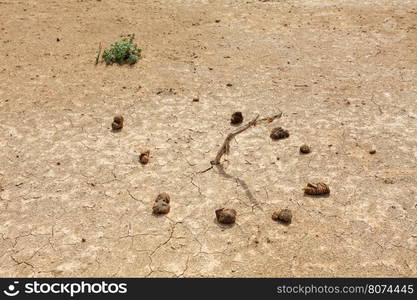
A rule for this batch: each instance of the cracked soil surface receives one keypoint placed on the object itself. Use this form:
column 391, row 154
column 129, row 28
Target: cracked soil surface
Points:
column 76, row 202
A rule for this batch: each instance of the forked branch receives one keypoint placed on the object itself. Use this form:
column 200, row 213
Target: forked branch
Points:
column 225, row 148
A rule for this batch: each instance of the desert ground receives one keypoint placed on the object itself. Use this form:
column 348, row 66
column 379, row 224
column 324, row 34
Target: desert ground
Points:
column 76, row 202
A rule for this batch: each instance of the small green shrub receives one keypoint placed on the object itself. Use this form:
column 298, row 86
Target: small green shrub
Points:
column 122, row 52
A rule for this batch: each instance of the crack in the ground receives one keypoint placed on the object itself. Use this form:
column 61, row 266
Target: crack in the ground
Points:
column 167, row 240
column 185, row 268
column 198, row 187
column 134, row 198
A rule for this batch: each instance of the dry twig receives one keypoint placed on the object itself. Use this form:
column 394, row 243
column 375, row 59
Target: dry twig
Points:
column 225, row 148
column 98, row 54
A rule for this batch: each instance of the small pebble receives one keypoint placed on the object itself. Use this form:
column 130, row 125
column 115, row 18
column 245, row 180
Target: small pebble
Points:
column 229, row 85
column 196, row 99
column 373, row 151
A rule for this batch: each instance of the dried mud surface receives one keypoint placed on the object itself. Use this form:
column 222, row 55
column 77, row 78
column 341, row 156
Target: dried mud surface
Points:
column 75, row 201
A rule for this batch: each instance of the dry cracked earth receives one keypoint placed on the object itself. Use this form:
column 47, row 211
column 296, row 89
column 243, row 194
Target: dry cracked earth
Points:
column 76, row 202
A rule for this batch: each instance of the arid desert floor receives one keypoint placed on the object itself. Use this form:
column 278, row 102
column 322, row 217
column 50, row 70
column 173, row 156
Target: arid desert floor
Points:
column 76, row 202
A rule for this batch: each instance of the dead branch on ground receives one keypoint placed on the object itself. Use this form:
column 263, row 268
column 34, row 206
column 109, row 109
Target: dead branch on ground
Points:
column 225, row 148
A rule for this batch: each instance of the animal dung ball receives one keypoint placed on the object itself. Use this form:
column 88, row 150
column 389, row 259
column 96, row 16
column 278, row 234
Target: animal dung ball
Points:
column 161, row 205
column 319, row 188
column 305, row 149
column 279, row 133
column 144, row 157
column 237, row 118
column 226, row 215
column 284, row 216
column 117, row 122
column 163, row 197
column 160, row 208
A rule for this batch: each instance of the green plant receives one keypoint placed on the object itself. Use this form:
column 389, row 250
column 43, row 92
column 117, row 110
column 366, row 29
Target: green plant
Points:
column 122, row 52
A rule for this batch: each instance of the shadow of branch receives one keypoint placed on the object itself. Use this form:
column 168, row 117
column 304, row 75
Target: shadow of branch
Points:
column 242, row 183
